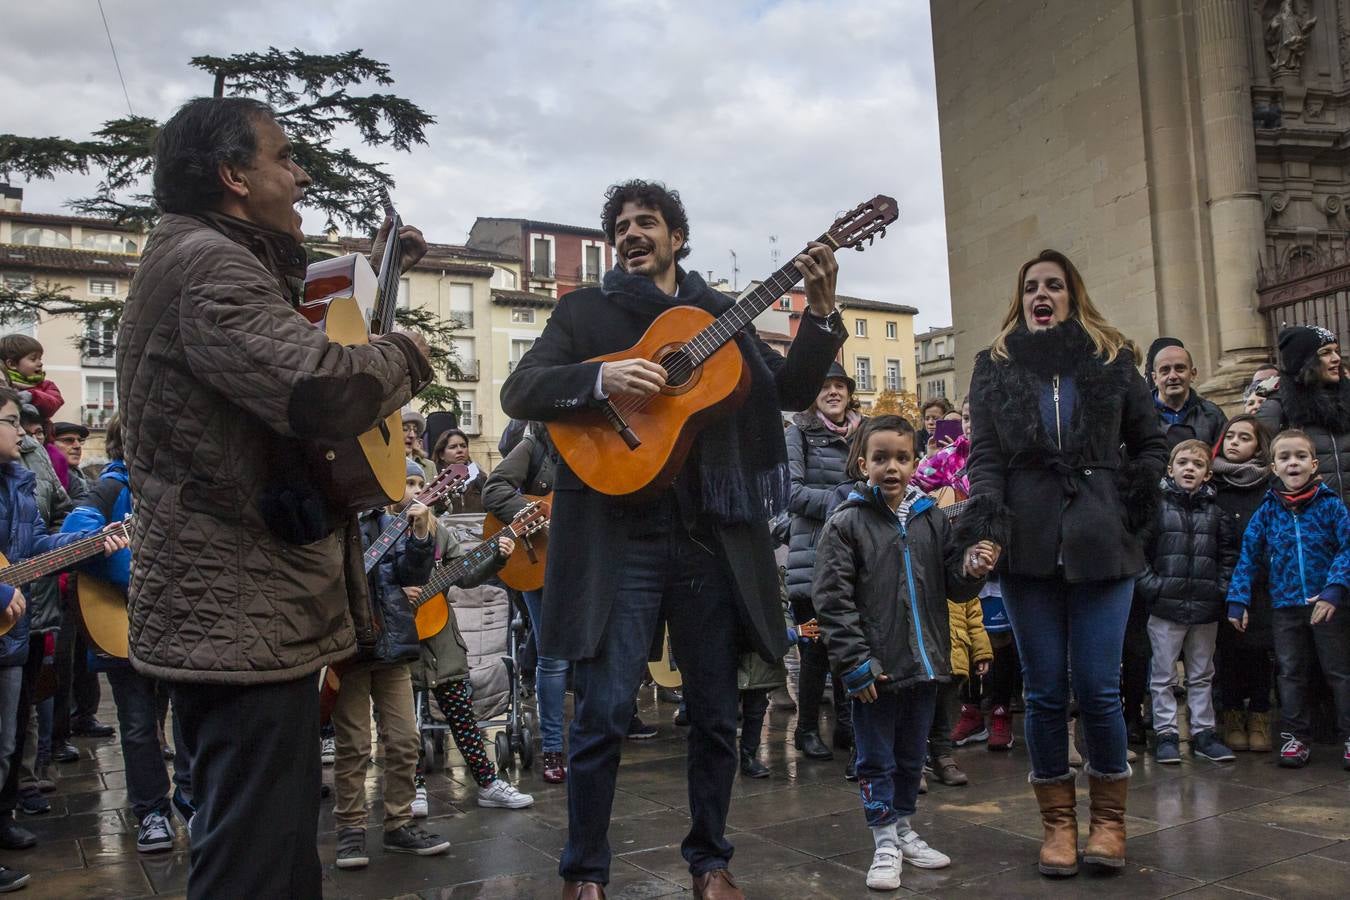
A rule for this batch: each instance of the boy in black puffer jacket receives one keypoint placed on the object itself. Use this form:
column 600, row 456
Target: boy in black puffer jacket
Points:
column 885, row 566
column 1192, row 548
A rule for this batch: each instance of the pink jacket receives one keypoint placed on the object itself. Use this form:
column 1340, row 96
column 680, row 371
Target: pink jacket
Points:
column 946, row 468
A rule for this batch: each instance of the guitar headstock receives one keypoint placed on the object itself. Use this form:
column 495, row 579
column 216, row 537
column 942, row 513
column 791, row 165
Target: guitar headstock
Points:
column 453, row 479
column 865, row 222
column 532, row 518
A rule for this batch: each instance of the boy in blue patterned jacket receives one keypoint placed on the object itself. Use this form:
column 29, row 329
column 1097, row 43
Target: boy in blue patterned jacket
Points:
column 1300, row 536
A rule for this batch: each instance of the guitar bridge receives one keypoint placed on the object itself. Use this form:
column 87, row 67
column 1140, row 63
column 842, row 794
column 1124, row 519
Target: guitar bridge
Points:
column 616, row 420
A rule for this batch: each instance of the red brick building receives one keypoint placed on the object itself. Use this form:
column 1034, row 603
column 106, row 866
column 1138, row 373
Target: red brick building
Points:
column 556, row 258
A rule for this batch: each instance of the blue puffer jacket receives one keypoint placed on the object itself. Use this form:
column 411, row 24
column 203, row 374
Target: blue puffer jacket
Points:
column 108, row 500
column 22, row 534
column 407, row 564
column 1303, row 553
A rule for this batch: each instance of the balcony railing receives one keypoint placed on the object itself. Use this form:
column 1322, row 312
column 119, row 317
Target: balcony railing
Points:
column 511, row 366
column 98, row 358
column 469, row 370
column 460, row 318
column 542, row 270
column 866, row 383
column 96, row 415
column 471, row 424
column 587, row 276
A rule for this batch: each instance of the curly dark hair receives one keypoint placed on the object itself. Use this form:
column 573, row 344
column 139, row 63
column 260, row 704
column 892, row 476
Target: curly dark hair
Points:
column 649, row 195
column 189, row 149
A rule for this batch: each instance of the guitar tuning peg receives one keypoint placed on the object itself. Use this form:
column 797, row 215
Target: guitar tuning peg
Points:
column 859, row 247
column 882, row 232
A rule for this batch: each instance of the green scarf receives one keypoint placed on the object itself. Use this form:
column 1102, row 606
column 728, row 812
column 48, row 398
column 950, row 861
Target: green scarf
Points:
column 17, row 377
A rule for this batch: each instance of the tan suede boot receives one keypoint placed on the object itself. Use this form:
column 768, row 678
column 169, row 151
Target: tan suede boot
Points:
column 1106, row 832
column 1235, row 729
column 1258, row 732
column 1059, row 850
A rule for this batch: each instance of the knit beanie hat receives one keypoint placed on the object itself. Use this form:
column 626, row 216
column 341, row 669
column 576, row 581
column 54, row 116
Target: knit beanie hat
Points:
column 414, row 469
column 412, row 415
column 1157, row 347
column 1299, row 344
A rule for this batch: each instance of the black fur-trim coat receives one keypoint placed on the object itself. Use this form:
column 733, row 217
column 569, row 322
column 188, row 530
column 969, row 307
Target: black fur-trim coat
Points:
column 1080, row 505
column 1325, row 415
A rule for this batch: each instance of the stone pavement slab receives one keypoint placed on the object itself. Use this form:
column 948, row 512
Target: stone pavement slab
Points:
column 1198, row 830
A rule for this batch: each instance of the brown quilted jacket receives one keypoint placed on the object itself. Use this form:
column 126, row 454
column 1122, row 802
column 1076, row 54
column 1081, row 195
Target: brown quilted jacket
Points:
column 220, row 383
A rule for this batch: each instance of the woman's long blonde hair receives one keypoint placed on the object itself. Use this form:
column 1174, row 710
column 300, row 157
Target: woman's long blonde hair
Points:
column 1106, row 339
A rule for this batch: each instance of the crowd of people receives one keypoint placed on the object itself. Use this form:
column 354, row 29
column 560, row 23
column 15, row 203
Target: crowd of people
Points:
column 1074, row 540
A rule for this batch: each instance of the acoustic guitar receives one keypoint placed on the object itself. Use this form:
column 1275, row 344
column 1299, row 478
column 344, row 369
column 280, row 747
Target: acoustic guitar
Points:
column 664, row 671
column 453, row 478
column 636, row 446
column 431, row 616
column 432, row 610
column 524, row 569
column 345, row 299
column 58, row 560
column 103, row 613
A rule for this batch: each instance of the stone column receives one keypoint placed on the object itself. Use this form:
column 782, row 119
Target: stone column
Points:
column 1236, row 221
column 1185, row 298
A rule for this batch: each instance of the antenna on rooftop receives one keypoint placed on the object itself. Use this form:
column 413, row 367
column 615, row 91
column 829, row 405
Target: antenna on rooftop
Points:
column 735, row 273
column 773, row 252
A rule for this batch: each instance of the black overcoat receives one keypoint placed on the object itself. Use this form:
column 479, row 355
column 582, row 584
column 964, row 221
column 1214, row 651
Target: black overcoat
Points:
column 586, row 545
column 1080, row 505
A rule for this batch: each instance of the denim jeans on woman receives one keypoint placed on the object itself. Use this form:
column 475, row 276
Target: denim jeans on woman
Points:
column 1065, row 629
column 550, row 683
column 138, row 728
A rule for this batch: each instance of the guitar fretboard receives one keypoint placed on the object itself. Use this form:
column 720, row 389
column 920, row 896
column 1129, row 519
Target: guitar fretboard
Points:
column 61, row 558
column 707, row 341
column 447, row 575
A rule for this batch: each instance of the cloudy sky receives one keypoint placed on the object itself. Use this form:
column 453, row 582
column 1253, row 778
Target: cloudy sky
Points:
column 769, row 117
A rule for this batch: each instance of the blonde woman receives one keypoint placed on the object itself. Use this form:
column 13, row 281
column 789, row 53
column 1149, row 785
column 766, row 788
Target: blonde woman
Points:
column 1052, row 402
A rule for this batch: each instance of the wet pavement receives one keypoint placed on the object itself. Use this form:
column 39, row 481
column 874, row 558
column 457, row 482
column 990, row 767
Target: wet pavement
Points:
column 1201, row 830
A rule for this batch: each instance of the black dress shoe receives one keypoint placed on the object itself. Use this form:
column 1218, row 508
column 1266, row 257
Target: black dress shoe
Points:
column 810, row 744
column 65, row 752
column 851, row 770
column 90, row 726
column 751, row 767
column 14, row 836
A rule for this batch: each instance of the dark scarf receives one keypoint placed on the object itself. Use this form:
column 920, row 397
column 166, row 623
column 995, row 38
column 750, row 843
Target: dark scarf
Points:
column 1294, row 501
column 278, row 252
column 1061, row 350
column 1241, row 475
column 742, row 460
column 1327, row 406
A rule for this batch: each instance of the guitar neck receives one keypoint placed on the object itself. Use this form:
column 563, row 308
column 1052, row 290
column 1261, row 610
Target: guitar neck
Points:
column 385, row 542
column 391, row 268
column 445, row 576
column 56, row 560
column 728, row 324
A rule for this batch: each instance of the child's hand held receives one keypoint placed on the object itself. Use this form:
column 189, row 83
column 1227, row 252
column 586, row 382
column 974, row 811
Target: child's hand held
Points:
column 1322, row 612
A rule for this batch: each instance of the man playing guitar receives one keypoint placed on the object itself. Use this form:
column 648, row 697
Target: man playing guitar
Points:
column 247, row 574
column 696, row 554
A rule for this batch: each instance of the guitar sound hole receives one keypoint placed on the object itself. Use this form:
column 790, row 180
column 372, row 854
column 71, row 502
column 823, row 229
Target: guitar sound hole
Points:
column 679, row 368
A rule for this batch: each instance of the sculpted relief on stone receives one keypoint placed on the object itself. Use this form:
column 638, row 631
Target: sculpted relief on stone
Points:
column 1287, row 34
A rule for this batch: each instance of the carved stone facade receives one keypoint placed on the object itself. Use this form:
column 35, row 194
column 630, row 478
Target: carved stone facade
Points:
column 1175, row 149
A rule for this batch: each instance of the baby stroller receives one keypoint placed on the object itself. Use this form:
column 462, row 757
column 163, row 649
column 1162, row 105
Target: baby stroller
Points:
column 492, row 622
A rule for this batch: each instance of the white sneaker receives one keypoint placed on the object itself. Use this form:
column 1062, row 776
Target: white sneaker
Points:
column 917, row 853
column 884, row 874
column 327, row 751
column 501, row 794
column 419, row 804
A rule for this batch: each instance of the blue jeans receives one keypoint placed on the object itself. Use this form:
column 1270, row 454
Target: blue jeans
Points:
column 11, row 683
column 665, row 573
column 138, row 728
column 550, row 682
column 1079, row 628
column 891, row 734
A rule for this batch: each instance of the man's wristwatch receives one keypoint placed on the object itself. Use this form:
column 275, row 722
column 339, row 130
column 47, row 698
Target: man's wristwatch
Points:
column 829, row 322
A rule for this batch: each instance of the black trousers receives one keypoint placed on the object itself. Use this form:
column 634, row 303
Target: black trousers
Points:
column 75, row 685
column 1299, row 647
column 754, row 705
column 255, row 780
column 1135, row 659
column 815, row 665
column 940, row 731
column 9, row 793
